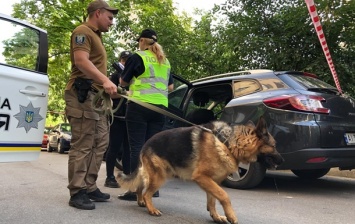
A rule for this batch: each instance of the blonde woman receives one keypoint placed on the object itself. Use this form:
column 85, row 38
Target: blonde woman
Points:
column 147, row 73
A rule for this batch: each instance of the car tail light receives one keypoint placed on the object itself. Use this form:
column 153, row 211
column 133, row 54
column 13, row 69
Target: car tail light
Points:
column 317, row 160
column 299, row 102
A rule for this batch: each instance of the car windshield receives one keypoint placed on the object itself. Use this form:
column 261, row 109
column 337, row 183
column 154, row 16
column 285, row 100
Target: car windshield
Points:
column 65, row 128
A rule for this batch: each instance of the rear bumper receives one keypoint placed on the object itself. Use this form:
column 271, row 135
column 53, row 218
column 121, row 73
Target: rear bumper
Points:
column 344, row 158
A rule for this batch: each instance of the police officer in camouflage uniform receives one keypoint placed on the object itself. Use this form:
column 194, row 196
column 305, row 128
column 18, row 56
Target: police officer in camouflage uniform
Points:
column 90, row 130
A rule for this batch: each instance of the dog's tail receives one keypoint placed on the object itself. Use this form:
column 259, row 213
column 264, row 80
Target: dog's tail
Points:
column 132, row 181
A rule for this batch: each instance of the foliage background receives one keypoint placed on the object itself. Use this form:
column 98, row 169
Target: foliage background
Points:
column 236, row 35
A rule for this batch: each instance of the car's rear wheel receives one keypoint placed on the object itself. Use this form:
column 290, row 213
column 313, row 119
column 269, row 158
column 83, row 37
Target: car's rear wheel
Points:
column 248, row 175
column 311, row 174
column 60, row 148
column 49, row 148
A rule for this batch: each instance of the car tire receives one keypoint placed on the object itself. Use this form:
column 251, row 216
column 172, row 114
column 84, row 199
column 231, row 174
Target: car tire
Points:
column 49, row 148
column 311, row 174
column 248, row 176
column 60, row 148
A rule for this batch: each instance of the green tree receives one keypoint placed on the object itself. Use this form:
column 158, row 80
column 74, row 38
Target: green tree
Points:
column 279, row 35
column 59, row 18
column 173, row 30
column 237, row 35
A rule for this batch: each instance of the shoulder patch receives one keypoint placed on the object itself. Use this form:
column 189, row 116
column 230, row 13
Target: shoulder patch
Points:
column 80, row 39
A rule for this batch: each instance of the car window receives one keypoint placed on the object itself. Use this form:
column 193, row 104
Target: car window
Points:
column 245, row 87
column 213, row 98
column 65, row 128
column 199, row 100
column 272, row 83
column 248, row 86
column 19, row 45
column 310, row 82
column 177, row 95
column 47, row 130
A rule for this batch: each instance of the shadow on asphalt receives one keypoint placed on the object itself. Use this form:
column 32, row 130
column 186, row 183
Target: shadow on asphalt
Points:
column 285, row 182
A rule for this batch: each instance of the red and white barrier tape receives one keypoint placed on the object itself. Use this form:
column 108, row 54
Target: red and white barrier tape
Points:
column 316, row 22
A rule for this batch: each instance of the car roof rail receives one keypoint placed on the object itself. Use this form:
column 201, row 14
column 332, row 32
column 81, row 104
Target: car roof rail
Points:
column 246, row 72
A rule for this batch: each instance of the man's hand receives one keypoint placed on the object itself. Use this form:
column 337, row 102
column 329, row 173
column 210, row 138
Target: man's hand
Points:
column 121, row 90
column 110, row 87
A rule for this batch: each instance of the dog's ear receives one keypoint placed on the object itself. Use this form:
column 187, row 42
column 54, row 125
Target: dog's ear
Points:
column 250, row 124
column 261, row 128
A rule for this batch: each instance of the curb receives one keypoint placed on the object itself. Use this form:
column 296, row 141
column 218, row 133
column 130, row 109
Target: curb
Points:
column 335, row 172
column 342, row 173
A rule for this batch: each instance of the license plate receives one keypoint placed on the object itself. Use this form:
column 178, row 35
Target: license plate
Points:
column 350, row 138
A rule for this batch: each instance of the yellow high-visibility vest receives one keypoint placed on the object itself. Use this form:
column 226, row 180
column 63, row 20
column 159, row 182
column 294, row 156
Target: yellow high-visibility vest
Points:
column 151, row 86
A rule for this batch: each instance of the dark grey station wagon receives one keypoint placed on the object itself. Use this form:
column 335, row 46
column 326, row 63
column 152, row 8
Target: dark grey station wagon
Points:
column 313, row 124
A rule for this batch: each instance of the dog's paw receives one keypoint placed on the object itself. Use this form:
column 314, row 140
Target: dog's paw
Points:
column 219, row 219
column 141, row 203
column 155, row 212
column 233, row 220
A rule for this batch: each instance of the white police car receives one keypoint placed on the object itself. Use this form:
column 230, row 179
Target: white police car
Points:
column 23, row 89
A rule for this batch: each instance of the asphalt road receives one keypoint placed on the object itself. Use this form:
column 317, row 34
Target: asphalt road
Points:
column 35, row 192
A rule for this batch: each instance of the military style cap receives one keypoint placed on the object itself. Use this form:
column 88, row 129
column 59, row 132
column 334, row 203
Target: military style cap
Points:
column 148, row 33
column 99, row 4
column 125, row 54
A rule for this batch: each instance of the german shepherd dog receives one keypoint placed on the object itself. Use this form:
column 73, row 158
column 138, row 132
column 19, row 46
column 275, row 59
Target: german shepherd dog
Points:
column 206, row 154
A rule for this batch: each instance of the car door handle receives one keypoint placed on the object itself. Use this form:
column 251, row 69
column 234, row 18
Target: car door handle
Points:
column 33, row 93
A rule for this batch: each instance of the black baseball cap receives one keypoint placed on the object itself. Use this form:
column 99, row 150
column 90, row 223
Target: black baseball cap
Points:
column 125, row 54
column 100, row 4
column 148, row 33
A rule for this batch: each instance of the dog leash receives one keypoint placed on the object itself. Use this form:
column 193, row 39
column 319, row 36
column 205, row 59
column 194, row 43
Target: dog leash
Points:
column 102, row 104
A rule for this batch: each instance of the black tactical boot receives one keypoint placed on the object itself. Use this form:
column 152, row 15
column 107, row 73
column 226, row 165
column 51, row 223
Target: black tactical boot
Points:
column 81, row 200
column 98, row 196
column 111, row 182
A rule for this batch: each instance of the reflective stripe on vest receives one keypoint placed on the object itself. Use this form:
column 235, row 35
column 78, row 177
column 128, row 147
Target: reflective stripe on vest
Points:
column 152, row 85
